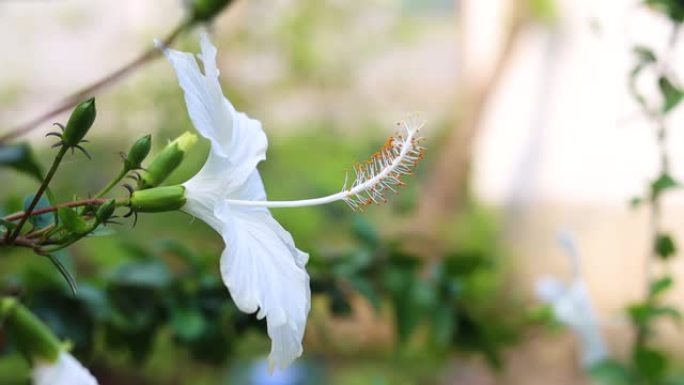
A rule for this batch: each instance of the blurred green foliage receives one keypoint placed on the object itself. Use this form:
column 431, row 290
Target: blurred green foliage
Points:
column 159, row 281
column 151, row 307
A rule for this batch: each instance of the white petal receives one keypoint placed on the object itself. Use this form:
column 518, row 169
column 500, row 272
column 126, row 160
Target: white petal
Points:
column 65, row 371
column 204, row 194
column 264, row 271
column 550, row 289
column 572, row 306
column 238, row 142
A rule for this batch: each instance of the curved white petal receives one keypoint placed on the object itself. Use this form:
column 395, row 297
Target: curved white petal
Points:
column 238, row 142
column 65, row 371
column 264, row 271
column 204, row 195
column 261, row 266
column 572, row 307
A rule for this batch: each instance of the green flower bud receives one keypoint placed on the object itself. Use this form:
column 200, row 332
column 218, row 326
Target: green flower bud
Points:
column 205, row 10
column 105, row 211
column 138, row 153
column 158, row 199
column 79, row 123
column 167, row 160
column 29, row 334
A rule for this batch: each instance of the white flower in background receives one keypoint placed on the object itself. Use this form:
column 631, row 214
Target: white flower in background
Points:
column 65, row 371
column 260, row 265
column 571, row 306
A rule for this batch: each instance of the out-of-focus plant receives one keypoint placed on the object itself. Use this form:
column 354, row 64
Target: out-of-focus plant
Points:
column 458, row 296
column 262, row 268
column 649, row 364
column 170, row 289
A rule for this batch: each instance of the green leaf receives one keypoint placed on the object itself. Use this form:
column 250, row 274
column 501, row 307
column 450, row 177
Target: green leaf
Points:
column 365, row 288
column 645, row 58
column 635, row 202
column 463, row 265
column 660, row 286
column 188, row 324
column 664, row 246
column 365, row 232
column 94, row 300
column 663, row 183
column 672, row 94
column 64, row 272
column 640, row 313
column 21, row 158
column 650, row 363
column 151, row 273
column 610, row 372
column 190, row 257
column 72, row 221
column 339, row 303
column 644, row 55
column 443, row 326
column 674, row 9
column 42, row 220
column 666, row 311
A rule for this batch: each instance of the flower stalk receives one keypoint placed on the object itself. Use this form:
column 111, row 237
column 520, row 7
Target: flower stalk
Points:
column 11, row 236
column 79, row 203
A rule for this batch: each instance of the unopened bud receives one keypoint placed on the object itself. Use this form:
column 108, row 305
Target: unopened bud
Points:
column 167, row 160
column 158, row 199
column 138, row 153
column 28, row 333
column 105, row 211
column 205, row 10
column 79, row 123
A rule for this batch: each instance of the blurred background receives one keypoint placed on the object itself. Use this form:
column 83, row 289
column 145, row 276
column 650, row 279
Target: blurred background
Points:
column 530, row 131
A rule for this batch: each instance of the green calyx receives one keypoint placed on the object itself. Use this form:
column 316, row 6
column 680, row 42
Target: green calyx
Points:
column 105, row 211
column 167, row 161
column 138, row 153
column 158, row 199
column 79, row 123
column 205, row 10
column 28, row 333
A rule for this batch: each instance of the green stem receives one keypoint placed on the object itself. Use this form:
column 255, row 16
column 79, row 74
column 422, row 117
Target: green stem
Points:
column 39, row 193
column 31, row 336
column 48, row 250
column 113, row 183
column 84, row 202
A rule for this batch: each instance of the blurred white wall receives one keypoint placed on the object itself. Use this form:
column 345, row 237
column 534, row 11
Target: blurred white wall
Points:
column 562, row 127
column 53, row 47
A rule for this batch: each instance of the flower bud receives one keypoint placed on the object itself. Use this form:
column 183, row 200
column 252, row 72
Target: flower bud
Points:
column 28, row 333
column 79, row 123
column 138, row 153
column 105, row 211
column 205, row 10
column 158, row 199
column 167, row 160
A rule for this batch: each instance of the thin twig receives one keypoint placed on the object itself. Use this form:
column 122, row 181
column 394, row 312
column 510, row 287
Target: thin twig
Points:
column 86, row 92
column 11, row 236
column 83, row 202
